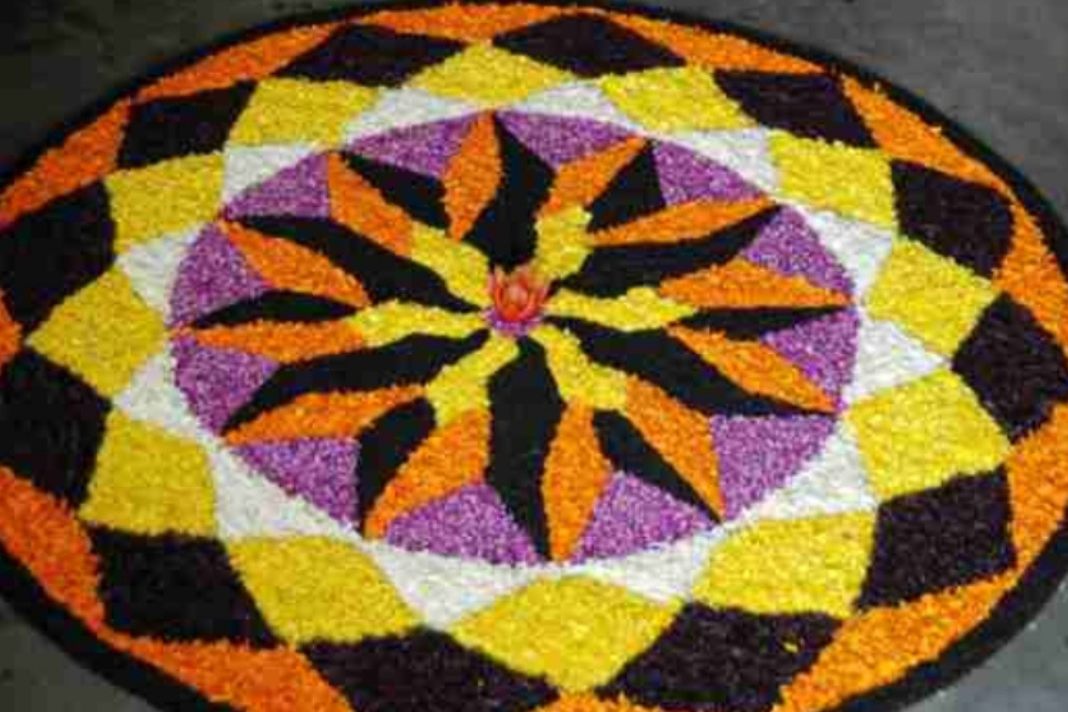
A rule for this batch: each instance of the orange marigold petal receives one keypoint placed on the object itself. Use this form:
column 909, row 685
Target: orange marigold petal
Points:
column 1038, row 486
column 323, row 415
column 10, row 334
column 686, row 221
column 86, row 156
column 856, row 661
column 905, row 135
column 472, row 176
column 283, row 342
column 250, row 60
column 287, row 265
column 681, row 436
column 278, row 680
column 451, row 457
column 359, row 205
column 459, row 23
column 582, row 180
column 756, row 368
column 43, row 535
column 741, row 285
column 715, row 51
column 576, row 473
column 1031, row 275
column 584, row 702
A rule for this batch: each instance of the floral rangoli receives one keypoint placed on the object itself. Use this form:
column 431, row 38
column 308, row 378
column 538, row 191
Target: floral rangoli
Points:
column 494, row 358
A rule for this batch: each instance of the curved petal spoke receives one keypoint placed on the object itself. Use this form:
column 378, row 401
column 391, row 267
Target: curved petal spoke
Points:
column 420, row 196
column 576, row 474
column 680, row 435
column 451, row 457
column 578, row 378
column 383, row 273
column 682, row 222
column 526, row 409
column 413, row 360
column 638, row 309
column 276, row 307
column 563, row 243
column 464, row 385
column 628, row 449
column 579, row 183
column 323, row 415
column 392, row 321
column 283, row 342
column 656, row 357
column 615, row 268
column 464, row 269
column 744, row 285
column 472, row 176
column 757, row 368
column 362, row 208
column 504, row 230
column 289, row 266
column 754, row 322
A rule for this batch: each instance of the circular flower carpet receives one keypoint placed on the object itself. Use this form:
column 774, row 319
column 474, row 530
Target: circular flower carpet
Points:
column 495, row 358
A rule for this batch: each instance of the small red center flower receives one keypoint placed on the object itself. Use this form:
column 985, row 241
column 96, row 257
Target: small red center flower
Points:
column 518, row 298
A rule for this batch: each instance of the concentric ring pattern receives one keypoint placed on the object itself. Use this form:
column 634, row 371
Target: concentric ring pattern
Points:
column 527, row 357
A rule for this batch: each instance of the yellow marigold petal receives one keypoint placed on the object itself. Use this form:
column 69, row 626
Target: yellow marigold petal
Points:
column 464, row 268
column 576, row 631
column 392, row 321
column 563, row 244
column 462, row 386
column 578, row 378
column 319, row 589
column 638, row 309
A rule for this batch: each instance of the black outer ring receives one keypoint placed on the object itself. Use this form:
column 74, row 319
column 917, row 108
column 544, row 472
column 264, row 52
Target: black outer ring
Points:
column 1012, row 614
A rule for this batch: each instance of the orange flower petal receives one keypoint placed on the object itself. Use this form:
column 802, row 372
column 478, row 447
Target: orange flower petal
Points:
column 591, row 703
column 582, row 180
column 283, row 342
column 357, row 204
column 576, row 473
column 857, row 661
column 254, row 59
column 452, row 457
column 290, row 266
column 680, row 435
column 756, row 368
column 10, row 334
column 1038, row 486
column 279, row 680
column 903, row 134
column 86, row 156
column 744, row 285
column 44, row 536
column 459, row 23
column 686, row 221
column 323, row 415
column 1031, row 275
column 472, row 176
column 718, row 51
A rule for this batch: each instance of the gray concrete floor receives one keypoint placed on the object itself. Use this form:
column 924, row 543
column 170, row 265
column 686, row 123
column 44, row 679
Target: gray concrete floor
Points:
column 998, row 66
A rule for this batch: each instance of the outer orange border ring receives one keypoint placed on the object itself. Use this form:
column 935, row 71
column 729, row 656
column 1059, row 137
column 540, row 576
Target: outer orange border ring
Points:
column 1012, row 613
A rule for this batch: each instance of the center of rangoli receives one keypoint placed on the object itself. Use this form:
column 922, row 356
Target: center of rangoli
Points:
column 515, row 337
